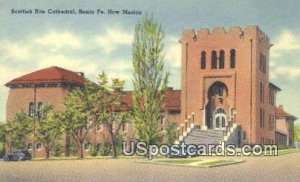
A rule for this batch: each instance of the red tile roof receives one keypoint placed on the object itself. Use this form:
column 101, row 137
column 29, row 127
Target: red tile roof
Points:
column 280, row 113
column 49, row 75
column 172, row 100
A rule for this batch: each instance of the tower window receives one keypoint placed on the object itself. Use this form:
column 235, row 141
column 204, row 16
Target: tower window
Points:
column 203, row 60
column 222, row 60
column 213, row 60
column 232, row 58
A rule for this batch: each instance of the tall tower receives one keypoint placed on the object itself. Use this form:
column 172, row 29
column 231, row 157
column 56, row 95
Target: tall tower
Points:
column 225, row 80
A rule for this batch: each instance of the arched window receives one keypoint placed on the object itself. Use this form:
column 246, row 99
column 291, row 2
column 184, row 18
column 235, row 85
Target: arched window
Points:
column 213, row 60
column 38, row 146
column 40, row 109
column 29, row 146
column 222, row 60
column 203, row 60
column 232, row 58
column 31, row 109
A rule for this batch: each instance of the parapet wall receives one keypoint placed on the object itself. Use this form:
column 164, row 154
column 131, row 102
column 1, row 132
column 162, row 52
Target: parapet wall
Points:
column 252, row 31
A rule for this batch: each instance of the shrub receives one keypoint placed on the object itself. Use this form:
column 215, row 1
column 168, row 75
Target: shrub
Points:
column 2, row 149
column 58, row 149
column 281, row 147
column 73, row 148
column 105, row 150
column 94, row 150
column 171, row 132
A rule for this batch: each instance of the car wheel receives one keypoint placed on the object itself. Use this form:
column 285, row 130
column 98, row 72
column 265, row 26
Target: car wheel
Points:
column 5, row 159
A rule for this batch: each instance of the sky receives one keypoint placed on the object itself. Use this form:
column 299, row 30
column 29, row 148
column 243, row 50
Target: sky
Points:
column 102, row 42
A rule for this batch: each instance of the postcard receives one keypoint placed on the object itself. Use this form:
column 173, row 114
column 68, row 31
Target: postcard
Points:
column 122, row 90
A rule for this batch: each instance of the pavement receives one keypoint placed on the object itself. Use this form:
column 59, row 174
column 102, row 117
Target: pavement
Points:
column 280, row 168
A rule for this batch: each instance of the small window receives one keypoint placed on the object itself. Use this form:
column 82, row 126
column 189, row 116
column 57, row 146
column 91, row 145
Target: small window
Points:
column 40, row 109
column 232, row 58
column 29, row 146
column 261, row 91
column 260, row 117
column 38, row 146
column 222, row 60
column 244, row 135
column 203, row 60
column 87, row 146
column 213, row 60
column 31, row 109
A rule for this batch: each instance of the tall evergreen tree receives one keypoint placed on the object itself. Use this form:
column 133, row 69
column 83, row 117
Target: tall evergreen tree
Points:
column 150, row 79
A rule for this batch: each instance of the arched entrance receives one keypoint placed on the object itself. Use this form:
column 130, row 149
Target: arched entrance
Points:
column 214, row 110
column 219, row 119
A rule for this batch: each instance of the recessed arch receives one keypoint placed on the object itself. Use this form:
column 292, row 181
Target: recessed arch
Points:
column 217, row 88
column 203, row 60
column 222, row 59
column 214, row 64
column 232, row 58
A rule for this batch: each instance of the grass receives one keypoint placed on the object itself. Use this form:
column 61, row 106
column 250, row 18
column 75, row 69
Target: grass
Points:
column 287, row 151
column 218, row 162
column 176, row 161
column 203, row 163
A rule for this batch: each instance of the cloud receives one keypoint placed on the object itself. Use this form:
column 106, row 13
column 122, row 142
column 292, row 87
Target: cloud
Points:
column 8, row 73
column 58, row 40
column 112, row 38
column 285, row 56
column 172, row 52
column 14, row 51
column 120, row 65
column 291, row 73
column 287, row 40
column 70, row 63
column 123, row 76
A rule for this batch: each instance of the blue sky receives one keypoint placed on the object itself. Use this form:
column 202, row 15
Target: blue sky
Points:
column 93, row 43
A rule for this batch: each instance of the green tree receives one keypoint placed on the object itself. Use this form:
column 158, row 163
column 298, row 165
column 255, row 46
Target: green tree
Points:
column 92, row 104
column 79, row 115
column 16, row 130
column 49, row 128
column 171, row 132
column 150, row 79
column 110, row 110
column 2, row 139
column 297, row 133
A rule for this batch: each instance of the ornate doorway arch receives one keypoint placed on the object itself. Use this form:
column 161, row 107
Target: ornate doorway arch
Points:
column 215, row 114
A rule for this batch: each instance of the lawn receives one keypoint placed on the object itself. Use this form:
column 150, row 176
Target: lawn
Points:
column 203, row 163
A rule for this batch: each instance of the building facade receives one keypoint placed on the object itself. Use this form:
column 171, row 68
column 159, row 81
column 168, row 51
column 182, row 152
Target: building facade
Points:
column 225, row 80
column 284, row 127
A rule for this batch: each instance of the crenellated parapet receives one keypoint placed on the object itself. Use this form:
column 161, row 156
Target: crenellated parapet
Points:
column 249, row 32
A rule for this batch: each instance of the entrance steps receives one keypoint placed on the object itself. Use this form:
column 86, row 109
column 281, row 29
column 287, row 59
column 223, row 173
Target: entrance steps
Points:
column 198, row 136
